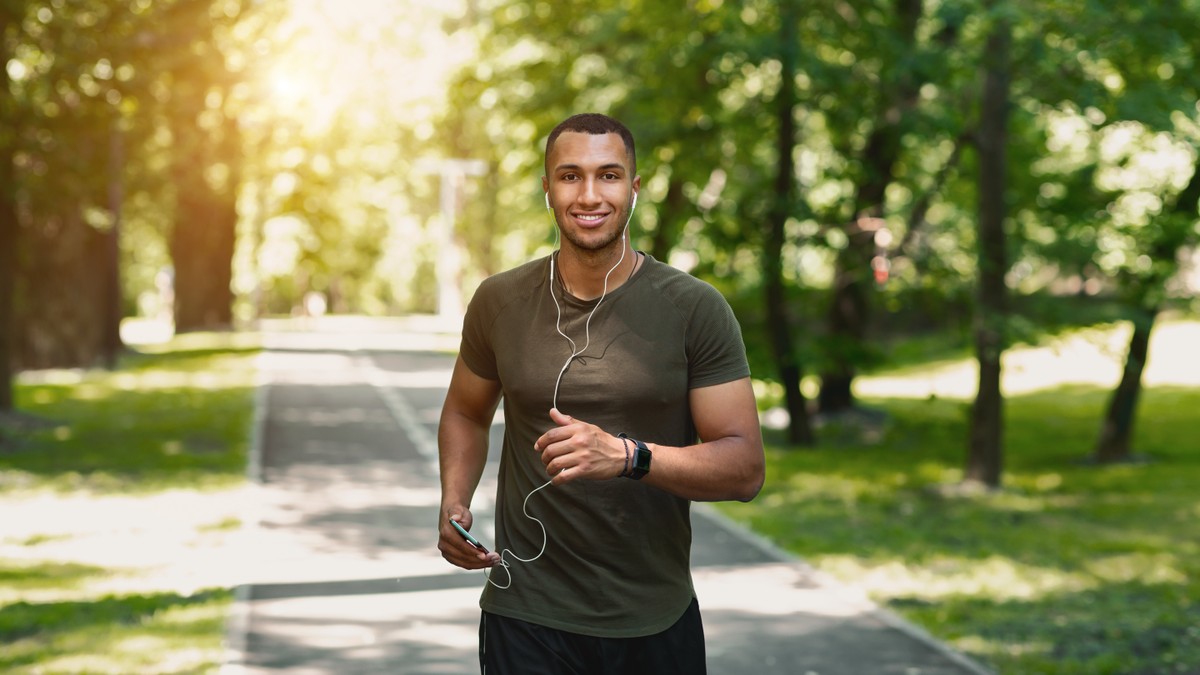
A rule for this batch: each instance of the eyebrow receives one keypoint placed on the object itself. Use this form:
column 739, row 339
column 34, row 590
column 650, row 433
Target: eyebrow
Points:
column 603, row 167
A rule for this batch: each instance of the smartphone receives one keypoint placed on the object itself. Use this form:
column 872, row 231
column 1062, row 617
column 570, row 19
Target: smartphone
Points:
column 467, row 535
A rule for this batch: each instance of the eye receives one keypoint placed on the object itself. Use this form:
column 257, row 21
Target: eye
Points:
column 611, row 176
column 569, row 177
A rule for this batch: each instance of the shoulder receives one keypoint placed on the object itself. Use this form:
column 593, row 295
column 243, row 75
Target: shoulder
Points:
column 712, row 337
column 498, row 296
column 684, row 291
column 520, row 279
column 500, row 290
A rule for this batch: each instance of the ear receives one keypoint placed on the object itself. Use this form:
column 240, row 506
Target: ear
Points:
column 546, row 189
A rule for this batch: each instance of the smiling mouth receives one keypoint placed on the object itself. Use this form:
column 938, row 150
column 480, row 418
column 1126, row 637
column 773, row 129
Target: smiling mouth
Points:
column 590, row 218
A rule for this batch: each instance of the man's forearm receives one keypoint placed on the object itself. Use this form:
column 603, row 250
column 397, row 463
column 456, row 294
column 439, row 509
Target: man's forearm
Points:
column 725, row 469
column 727, row 465
column 462, row 454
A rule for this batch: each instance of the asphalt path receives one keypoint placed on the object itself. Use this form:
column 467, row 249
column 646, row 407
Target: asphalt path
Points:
column 342, row 574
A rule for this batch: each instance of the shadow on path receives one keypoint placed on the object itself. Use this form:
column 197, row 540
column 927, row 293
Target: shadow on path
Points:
column 343, row 575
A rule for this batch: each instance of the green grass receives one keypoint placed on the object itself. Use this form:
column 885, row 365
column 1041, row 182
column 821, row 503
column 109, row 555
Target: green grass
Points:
column 175, row 418
column 1070, row 568
column 172, row 419
column 161, row 632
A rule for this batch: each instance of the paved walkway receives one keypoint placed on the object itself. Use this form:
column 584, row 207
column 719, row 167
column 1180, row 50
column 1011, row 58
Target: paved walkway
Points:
column 342, row 573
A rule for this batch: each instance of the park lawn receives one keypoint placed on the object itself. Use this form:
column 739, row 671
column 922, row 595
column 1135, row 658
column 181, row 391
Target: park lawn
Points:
column 1070, row 568
column 118, row 498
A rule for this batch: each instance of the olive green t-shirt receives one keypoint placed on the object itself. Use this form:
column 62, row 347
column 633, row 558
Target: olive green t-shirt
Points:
column 617, row 556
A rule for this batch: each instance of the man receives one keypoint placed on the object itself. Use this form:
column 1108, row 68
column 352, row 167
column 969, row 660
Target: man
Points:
column 626, row 396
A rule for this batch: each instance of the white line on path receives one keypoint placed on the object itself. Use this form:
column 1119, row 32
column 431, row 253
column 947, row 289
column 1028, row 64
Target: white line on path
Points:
column 401, row 411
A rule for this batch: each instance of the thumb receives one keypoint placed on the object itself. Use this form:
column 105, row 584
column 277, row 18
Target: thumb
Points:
column 559, row 418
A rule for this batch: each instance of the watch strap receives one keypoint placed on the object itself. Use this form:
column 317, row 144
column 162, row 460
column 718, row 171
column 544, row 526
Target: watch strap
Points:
column 641, row 460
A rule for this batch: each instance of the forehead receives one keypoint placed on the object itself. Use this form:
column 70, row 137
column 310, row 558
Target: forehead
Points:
column 587, row 150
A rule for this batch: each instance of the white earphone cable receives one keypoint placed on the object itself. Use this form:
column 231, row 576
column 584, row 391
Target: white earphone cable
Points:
column 575, row 353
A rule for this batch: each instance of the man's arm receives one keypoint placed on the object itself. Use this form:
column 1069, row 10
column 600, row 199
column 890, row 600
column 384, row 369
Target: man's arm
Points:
column 727, row 464
column 462, row 451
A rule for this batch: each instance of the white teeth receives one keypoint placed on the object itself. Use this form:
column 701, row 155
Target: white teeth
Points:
column 589, row 218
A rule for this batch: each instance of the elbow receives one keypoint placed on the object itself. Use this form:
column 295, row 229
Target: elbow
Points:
column 752, row 482
column 749, row 489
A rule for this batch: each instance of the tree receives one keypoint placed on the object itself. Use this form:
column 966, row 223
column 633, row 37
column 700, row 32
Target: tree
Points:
column 985, row 453
column 664, row 77
column 65, row 82
column 1171, row 232
column 206, row 162
column 850, row 301
column 1162, row 46
column 1125, row 109
column 11, row 13
column 778, row 324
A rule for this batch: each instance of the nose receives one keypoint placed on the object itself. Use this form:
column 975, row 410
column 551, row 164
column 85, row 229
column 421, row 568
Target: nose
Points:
column 589, row 195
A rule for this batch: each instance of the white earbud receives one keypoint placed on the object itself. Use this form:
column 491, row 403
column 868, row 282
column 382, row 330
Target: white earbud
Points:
column 547, row 200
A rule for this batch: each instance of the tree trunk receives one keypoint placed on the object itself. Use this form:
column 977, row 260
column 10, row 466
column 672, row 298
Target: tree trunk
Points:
column 669, row 214
column 202, row 251
column 1115, row 434
column 60, row 288
column 202, row 242
column 850, row 308
column 112, row 297
column 790, row 373
column 9, row 225
column 986, row 452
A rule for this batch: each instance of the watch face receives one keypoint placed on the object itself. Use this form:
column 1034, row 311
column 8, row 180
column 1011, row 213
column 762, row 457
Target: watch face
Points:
column 642, row 460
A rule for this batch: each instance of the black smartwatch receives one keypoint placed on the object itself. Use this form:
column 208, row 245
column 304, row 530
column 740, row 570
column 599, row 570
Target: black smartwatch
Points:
column 641, row 459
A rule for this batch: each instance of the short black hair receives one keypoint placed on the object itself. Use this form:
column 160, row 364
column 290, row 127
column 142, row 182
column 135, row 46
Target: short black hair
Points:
column 597, row 125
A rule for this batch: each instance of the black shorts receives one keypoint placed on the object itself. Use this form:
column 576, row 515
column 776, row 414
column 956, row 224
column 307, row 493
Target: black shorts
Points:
column 514, row 647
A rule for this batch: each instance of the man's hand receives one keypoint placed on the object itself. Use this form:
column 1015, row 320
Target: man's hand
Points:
column 575, row 450
column 456, row 550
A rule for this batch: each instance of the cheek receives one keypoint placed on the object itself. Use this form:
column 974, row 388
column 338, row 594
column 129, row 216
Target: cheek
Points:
column 561, row 196
column 619, row 197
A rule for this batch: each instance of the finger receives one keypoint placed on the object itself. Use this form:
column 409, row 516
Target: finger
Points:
column 451, row 553
column 553, row 441
column 550, row 438
column 560, row 476
column 453, row 547
column 463, row 518
column 461, row 554
column 478, row 559
column 559, row 418
column 553, row 452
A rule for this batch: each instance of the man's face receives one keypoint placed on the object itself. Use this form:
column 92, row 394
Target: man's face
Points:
column 590, row 188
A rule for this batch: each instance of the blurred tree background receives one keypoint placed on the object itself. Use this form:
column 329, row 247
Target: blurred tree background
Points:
column 850, row 174
column 871, row 183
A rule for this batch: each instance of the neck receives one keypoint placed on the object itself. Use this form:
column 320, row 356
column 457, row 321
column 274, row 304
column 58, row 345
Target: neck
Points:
column 582, row 273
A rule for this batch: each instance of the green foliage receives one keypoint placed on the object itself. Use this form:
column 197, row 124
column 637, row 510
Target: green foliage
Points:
column 696, row 84
column 658, row 67
column 1070, row 568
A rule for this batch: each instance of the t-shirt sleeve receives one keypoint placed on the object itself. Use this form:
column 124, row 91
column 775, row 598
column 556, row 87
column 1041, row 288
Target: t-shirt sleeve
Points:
column 716, row 352
column 476, row 346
